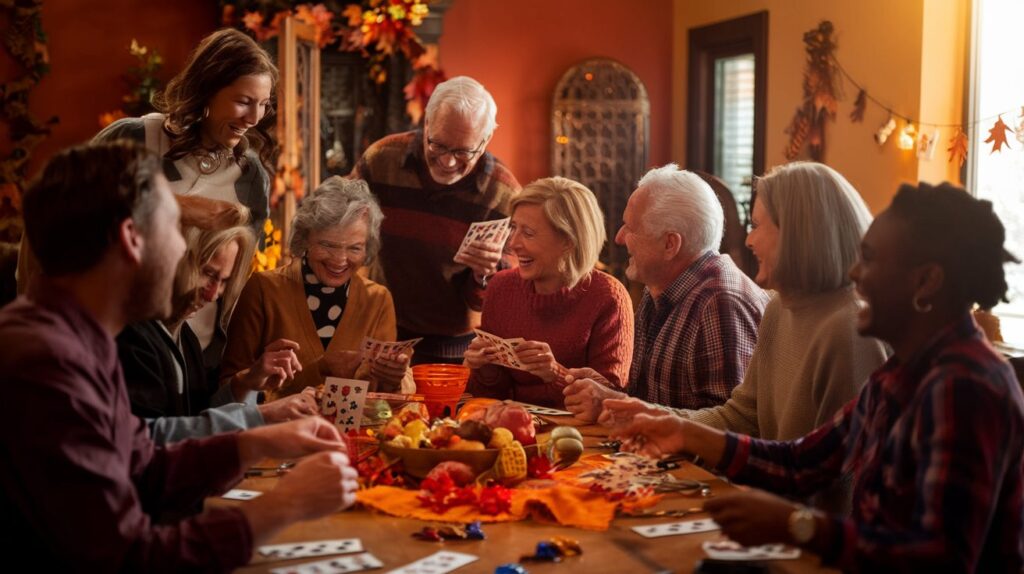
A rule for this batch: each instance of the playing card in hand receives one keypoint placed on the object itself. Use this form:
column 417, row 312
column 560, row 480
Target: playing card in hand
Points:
column 372, row 349
column 506, row 355
column 342, row 402
column 496, row 231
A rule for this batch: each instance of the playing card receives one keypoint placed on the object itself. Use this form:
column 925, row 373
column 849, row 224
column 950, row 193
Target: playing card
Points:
column 437, row 563
column 542, row 411
column 371, row 348
column 239, row 494
column 338, row 565
column 496, row 231
column 506, row 355
column 312, row 548
column 676, row 528
column 729, row 550
column 342, row 402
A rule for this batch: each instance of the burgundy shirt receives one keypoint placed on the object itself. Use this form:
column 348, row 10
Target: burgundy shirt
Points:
column 81, row 478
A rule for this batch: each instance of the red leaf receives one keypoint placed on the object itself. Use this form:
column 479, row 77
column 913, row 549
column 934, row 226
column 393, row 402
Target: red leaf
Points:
column 997, row 135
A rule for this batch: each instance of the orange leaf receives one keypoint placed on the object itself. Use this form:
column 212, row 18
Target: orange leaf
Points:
column 857, row 115
column 997, row 135
column 958, row 147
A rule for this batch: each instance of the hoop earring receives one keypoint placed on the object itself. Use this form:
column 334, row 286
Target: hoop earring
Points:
column 921, row 307
column 206, row 112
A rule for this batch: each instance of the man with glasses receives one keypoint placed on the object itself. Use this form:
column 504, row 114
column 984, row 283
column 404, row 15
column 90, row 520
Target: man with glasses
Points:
column 432, row 184
column 696, row 325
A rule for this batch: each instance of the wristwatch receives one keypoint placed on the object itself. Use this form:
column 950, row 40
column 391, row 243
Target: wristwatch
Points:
column 802, row 525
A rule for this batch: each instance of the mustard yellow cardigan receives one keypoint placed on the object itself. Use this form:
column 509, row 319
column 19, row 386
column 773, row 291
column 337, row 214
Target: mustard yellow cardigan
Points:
column 273, row 306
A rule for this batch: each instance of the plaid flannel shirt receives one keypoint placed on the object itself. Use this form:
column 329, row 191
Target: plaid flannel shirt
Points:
column 694, row 341
column 935, row 447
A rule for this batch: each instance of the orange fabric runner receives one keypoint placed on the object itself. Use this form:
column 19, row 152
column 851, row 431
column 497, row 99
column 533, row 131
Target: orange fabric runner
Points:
column 564, row 503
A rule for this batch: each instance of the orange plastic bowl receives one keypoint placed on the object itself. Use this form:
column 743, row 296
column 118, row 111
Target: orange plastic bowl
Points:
column 441, row 385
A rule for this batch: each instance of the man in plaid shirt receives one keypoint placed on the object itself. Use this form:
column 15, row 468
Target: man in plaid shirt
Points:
column 696, row 325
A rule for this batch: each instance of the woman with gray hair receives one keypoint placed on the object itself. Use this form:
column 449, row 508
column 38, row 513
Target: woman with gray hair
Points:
column 308, row 318
column 809, row 360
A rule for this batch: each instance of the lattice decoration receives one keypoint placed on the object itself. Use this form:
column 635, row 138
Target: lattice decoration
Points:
column 600, row 125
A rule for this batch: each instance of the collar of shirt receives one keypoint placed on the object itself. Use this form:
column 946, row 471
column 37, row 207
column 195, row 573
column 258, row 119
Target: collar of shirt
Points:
column 93, row 336
column 414, row 160
column 896, row 376
column 683, row 284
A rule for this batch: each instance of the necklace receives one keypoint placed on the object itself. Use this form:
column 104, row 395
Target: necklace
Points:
column 209, row 161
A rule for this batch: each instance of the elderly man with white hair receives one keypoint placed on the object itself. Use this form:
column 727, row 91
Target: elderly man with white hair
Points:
column 432, row 184
column 696, row 325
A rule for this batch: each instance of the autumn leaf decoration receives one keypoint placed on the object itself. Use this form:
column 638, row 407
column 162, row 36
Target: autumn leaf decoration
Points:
column 997, row 135
column 958, row 147
column 857, row 115
column 820, row 95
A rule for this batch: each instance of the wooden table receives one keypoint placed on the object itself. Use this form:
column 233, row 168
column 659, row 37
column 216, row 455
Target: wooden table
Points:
column 617, row 550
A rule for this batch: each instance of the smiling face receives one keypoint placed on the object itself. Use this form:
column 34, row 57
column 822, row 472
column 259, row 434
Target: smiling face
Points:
column 763, row 241
column 884, row 282
column 235, row 109
column 215, row 274
column 452, row 145
column 336, row 252
column 164, row 248
column 539, row 247
column 643, row 248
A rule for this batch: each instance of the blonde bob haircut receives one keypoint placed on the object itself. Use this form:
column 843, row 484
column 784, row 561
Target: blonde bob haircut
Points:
column 202, row 246
column 821, row 220
column 572, row 210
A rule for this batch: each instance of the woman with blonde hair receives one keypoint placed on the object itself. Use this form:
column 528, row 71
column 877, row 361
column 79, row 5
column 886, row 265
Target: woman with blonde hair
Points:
column 567, row 312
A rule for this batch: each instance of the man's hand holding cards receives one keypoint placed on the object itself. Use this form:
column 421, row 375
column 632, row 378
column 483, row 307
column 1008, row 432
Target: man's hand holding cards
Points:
column 482, row 246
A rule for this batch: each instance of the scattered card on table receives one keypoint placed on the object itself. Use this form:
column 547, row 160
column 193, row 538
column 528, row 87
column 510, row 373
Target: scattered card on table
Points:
column 676, row 528
column 339, row 565
column 239, row 494
column 437, row 563
column 342, row 402
column 506, row 355
column 311, row 548
column 496, row 231
column 729, row 550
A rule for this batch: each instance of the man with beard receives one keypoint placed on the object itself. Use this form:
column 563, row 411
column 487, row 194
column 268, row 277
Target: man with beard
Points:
column 82, row 480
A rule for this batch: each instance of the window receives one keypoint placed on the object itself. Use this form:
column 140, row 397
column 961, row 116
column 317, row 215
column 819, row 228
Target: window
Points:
column 734, row 123
column 726, row 102
column 998, row 87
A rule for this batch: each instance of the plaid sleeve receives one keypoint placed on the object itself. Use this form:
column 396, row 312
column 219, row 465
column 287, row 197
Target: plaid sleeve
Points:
column 800, row 467
column 726, row 339
column 968, row 445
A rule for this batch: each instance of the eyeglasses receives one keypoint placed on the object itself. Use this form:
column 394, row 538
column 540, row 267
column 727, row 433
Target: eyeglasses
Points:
column 463, row 155
column 354, row 251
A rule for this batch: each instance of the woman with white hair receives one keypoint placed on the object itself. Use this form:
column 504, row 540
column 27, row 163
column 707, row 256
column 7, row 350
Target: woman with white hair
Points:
column 809, row 360
column 567, row 313
column 318, row 308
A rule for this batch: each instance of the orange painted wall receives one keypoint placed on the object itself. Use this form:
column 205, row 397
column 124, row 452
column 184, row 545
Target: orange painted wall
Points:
column 880, row 43
column 519, row 50
column 88, row 46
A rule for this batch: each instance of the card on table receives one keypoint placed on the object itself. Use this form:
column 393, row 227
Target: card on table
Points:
column 506, row 355
column 729, row 550
column 342, row 402
column 676, row 528
column 437, row 563
column 544, row 411
column 311, row 548
column 240, row 494
column 496, row 231
column 371, row 348
column 338, row 565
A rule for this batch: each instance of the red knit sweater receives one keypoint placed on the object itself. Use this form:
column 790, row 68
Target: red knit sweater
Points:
column 590, row 325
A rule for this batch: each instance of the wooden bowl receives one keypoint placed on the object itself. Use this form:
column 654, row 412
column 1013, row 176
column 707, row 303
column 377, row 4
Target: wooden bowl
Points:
column 418, row 462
